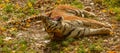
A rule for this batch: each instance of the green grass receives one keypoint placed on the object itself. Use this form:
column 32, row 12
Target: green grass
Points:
column 12, row 45
column 116, row 13
column 117, row 17
column 77, row 4
column 81, row 46
column 9, row 7
column 1, row 39
column 113, row 7
column 4, row 17
column 10, row 11
column 116, row 10
column 111, row 3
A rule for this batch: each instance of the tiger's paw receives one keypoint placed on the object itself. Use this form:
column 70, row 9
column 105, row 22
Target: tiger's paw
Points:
column 106, row 31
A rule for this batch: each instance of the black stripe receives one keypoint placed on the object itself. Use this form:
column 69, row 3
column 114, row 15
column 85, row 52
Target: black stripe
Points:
column 64, row 29
column 84, row 24
column 80, row 13
column 76, row 12
column 77, row 35
column 78, row 22
column 54, row 27
column 47, row 26
column 35, row 18
column 40, row 17
column 60, row 27
column 73, row 11
column 66, row 35
column 84, row 31
column 69, row 23
column 32, row 19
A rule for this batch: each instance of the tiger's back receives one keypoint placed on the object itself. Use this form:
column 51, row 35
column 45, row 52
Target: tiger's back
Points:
column 72, row 13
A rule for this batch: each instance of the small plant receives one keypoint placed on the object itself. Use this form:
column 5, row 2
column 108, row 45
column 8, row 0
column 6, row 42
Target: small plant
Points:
column 23, row 47
column 32, row 1
column 65, row 43
column 81, row 50
column 92, row 47
column 113, row 6
column 61, row 52
column 20, row 15
column 1, row 40
column 95, row 48
column 54, row 45
column 111, row 3
column 5, row 17
column 117, row 17
column 77, row 4
column 70, row 39
column 5, row 49
column 0, row 1
column 9, row 7
column 33, row 11
column 116, row 12
column 22, row 43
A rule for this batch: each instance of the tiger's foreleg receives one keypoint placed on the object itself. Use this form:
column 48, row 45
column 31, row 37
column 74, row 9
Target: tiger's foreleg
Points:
column 100, row 31
column 79, row 32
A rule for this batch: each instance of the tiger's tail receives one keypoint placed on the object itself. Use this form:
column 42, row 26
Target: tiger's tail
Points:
column 26, row 22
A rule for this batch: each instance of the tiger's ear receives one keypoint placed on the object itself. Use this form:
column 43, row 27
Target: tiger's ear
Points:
column 58, row 18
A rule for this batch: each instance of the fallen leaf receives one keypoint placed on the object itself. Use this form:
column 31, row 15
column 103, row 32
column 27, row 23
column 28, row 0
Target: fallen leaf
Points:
column 111, row 51
column 117, row 47
column 2, row 28
column 7, row 1
column 2, row 5
column 12, row 29
column 27, row 25
column 7, row 39
column 104, row 10
column 17, row 6
column 29, row 4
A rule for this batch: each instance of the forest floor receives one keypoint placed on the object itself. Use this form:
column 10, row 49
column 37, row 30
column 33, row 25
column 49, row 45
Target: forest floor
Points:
column 34, row 39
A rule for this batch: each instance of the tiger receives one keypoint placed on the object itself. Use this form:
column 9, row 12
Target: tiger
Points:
column 59, row 29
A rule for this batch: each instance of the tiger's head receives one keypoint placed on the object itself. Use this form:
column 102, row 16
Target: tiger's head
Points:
column 52, row 24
